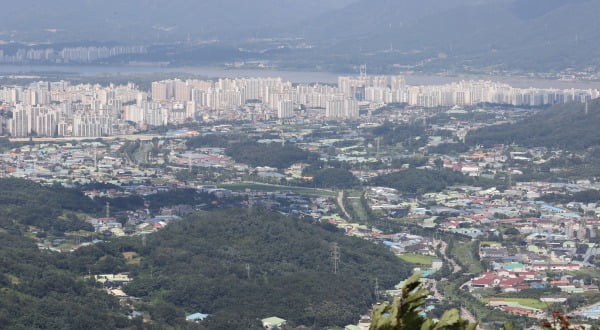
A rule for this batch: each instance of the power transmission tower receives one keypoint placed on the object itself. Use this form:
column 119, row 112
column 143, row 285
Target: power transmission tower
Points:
column 248, row 270
column 377, row 289
column 335, row 257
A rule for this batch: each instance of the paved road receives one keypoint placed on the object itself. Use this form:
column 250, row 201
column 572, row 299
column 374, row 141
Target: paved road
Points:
column 455, row 266
column 467, row 315
column 340, row 201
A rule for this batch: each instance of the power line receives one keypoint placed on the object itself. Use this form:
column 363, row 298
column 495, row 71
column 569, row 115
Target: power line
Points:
column 335, row 257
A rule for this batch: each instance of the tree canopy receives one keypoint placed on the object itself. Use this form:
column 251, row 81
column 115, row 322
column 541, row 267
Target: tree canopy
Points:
column 271, row 154
column 39, row 290
column 335, row 178
column 256, row 264
column 566, row 127
column 25, row 203
column 421, row 181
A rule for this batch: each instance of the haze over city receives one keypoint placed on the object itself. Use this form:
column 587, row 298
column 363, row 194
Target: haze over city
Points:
column 300, row 164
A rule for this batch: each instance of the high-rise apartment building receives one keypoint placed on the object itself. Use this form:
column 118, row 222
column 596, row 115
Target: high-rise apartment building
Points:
column 285, row 109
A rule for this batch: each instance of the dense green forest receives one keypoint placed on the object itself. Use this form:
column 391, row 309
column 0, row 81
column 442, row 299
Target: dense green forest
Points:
column 41, row 290
column 57, row 210
column 211, row 141
column 198, row 264
column 586, row 196
column 412, row 136
column 248, row 151
column 52, row 208
column 273, row 154
column 331, row 178
column 241, row 266
column 155, row 202
column 423, row 181
column 335, row 178
column 566, row 127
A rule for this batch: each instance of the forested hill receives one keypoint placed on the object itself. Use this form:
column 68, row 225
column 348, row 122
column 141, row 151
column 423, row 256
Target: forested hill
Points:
column 26, row 203
column 47, row 290
column 40, row 290
column 566, row 127
column 241, row 266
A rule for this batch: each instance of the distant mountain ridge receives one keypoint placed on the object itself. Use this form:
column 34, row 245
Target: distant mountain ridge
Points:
column 499, row 34
column 151, row 20
column 529, row 9
column 430, row 35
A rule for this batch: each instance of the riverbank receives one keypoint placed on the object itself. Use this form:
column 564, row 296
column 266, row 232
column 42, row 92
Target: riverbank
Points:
column 293, row 76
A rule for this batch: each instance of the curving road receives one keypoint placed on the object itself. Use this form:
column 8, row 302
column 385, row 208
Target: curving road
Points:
column 340, row 201
column 456, row 268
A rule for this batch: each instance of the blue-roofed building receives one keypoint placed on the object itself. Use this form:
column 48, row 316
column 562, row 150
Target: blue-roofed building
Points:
column 552, row 209
column 592, row 313
column 196, row 317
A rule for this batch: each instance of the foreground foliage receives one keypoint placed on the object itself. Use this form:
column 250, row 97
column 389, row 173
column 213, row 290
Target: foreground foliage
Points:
column 403, row 313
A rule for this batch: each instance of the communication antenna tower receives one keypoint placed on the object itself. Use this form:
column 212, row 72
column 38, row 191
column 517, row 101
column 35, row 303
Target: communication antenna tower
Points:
column 107, row 210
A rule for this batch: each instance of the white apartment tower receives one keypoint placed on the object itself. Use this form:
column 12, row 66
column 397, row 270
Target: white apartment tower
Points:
column 285, row 109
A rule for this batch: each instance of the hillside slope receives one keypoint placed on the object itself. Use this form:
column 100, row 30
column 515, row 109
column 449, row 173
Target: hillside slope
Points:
column 566, row 127
column 496, row 34
column 26, row 203
column 40, row 290
column 144, row 20
column 257, row 264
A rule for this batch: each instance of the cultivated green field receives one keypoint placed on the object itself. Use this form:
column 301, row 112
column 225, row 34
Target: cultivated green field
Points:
column 463, row 251
column 417, row 259
column 526, row 302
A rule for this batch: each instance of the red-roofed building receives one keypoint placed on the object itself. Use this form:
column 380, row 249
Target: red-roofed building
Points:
column 485, row 281
column 521, row 311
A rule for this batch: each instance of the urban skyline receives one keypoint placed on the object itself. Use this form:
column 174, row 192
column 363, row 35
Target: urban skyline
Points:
column 48, row 109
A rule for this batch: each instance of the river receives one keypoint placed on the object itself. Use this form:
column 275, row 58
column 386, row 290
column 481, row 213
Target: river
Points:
column 293, row 76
